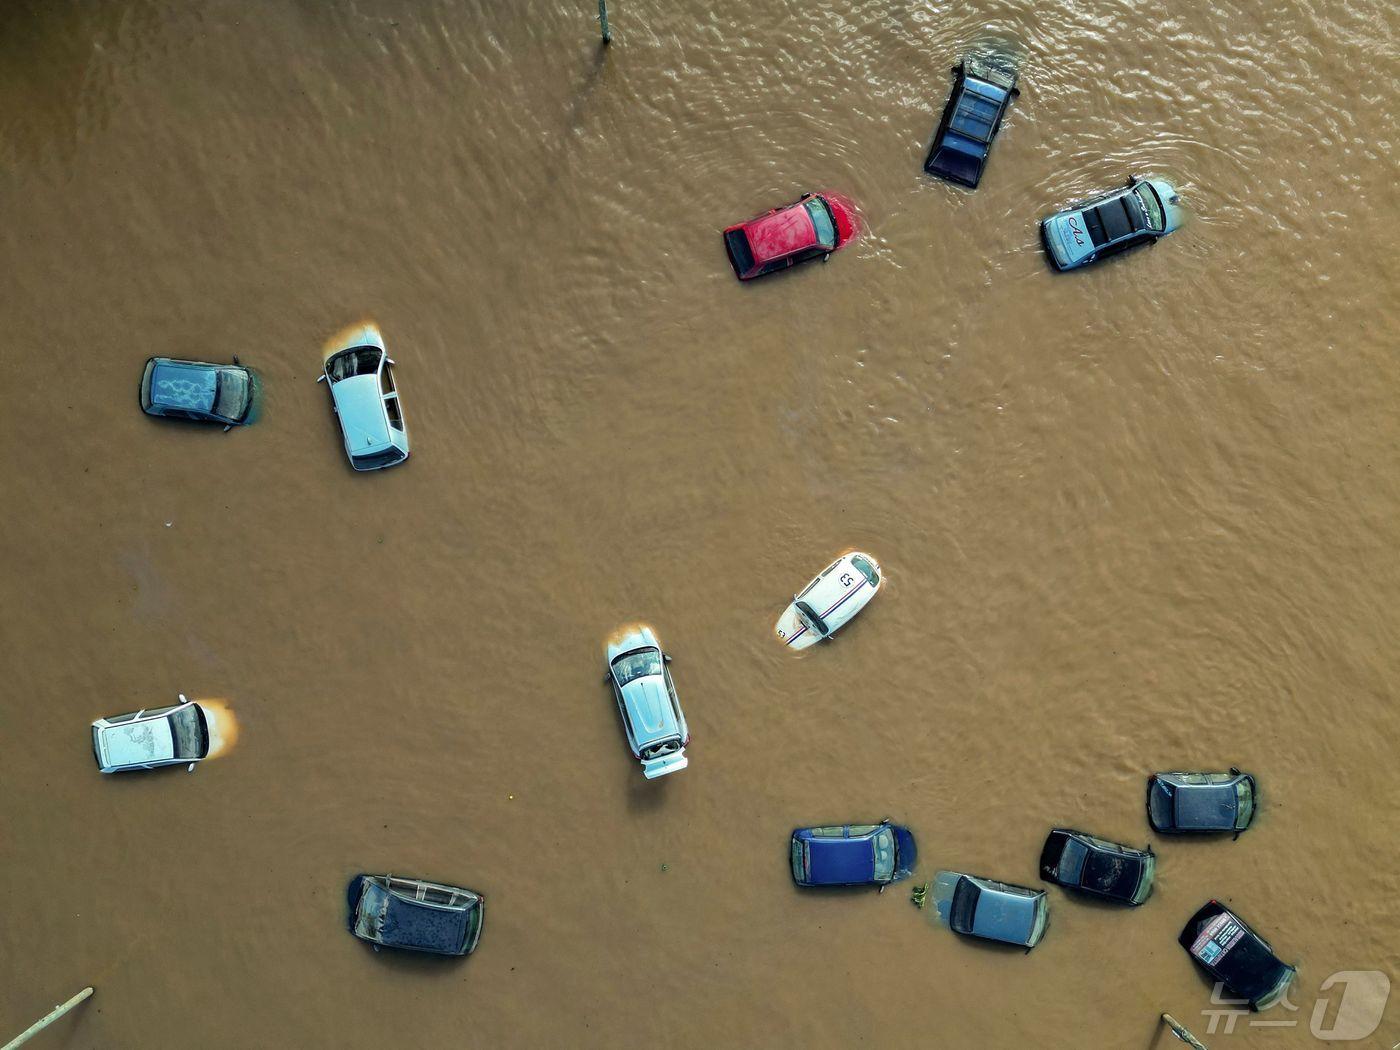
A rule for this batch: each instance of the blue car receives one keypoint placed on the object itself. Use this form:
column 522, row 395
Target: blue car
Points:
column 1133, row 215
column 199, row 391
column 982, row 93
column 852, row 855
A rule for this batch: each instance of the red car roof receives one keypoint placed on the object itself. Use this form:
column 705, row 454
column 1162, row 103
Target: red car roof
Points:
column 780, row 234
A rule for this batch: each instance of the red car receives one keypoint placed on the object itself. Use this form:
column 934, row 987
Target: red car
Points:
column 811, row 227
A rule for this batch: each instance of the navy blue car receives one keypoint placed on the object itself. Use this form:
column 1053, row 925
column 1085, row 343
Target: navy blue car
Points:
column 852, row 855
column 982, row 93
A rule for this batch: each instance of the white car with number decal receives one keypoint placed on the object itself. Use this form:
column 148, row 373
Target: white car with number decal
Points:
column 826, row 604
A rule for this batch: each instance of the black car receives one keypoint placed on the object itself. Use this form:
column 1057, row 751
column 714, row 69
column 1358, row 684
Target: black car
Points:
column 1105, row 869
column 1226, row 948
column 1187, row 803
column 982, row 92
column 391, row 912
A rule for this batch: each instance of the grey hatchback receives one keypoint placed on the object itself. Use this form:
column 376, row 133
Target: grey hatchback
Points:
column 199, row 391
column 1188, row 803
column 994, row 911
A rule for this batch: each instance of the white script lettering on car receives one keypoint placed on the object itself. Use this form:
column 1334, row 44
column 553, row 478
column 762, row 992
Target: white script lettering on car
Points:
column 1074, row 228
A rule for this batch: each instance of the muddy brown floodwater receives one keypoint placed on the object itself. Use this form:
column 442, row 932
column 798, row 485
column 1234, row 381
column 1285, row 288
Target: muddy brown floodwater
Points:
column 1141, row 517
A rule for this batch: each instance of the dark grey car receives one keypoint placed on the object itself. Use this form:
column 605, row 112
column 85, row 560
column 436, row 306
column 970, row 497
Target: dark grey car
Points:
column 420, row 916
column 1190, row 803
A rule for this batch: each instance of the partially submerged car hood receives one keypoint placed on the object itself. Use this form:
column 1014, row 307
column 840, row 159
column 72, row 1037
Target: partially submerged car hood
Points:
column 136, row 743
column 650, row 707
column 360, row 406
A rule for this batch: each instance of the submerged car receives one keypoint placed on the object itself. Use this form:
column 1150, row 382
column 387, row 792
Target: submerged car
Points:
column 1105, row 869
column 200, row 391
column 982, row 93
column 994, row 911
column 1136, row 214
column 646, row 700
column 366, row 402
column 415, row 915
column 153, row 737
column 852, row 855
column 827, row 604
column 811, row 227
column 1187, row 803
column 1226, row 948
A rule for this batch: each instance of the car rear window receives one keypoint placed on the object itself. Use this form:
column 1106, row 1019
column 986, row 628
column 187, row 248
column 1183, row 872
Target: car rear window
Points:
column 740, row 254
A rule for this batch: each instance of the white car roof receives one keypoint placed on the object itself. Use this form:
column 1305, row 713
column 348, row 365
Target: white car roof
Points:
column 137, row 743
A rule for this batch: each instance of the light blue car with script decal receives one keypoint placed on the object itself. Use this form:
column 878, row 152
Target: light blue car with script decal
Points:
column 1136, row 214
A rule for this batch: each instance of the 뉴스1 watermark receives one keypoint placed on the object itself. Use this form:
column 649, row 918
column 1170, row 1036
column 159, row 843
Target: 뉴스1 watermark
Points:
column 1353, row 1016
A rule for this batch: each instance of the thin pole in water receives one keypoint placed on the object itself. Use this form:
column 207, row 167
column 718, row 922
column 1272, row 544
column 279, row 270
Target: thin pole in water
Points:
column 603, row 21
column 48, row 1019
column 1181, row 1033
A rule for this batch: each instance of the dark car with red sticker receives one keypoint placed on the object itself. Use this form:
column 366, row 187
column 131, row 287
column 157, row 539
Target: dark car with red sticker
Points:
column 811, row 227
column 1225, row 947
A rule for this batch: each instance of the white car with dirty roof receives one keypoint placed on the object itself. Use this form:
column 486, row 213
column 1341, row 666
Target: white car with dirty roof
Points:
column 366, row 402
column 829, row 602
column 154, row 737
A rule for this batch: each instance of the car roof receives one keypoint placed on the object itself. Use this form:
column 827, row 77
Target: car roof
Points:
column 359, row 403
column 1003, row 914
column 1205, row 805
column 407, row 923
column 780, row 233
column 145, row 740
column 649, row 709
column 189, row 385
column 843, row 859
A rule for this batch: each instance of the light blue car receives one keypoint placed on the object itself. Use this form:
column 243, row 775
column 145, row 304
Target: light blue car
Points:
column 646, row 699
column 1139, row 213
column 365, row 400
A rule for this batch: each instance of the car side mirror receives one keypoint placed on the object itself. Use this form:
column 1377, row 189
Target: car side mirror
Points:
column 190, row 768
column 183, row 698
column 391, row 361
column 666, row 657
column 228, row 427
column 321, row 378
column 235, row 360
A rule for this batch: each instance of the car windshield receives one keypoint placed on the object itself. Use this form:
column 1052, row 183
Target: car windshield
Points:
column 231, row 400
column 187, row 729
column 821, row 222
column 884, row 855
column 866, row 569
column 636, row 665
column 1156, row 219
column 361, row 361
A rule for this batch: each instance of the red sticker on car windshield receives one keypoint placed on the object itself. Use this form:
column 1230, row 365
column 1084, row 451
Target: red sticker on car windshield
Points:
column 1220, row 935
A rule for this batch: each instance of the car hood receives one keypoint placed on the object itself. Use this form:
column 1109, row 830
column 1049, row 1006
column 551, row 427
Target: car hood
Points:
column 650, row 709
column 1069, row 237
column 907, row 853
column 792, row 632
column 840, row 861
column 360, row 406
column 1171, row 203
column 136, row 743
